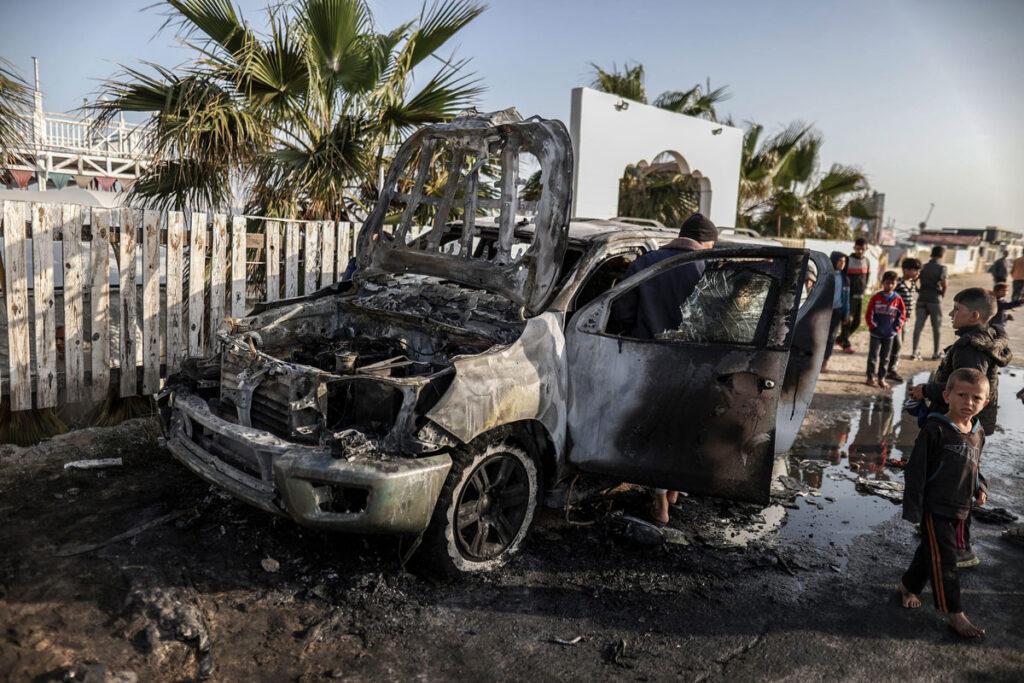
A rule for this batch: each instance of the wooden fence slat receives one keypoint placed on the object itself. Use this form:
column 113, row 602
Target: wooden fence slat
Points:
column 273, row 256
column 343, row 228
column 327, row 236
column 174, row 344
column 311, row 270
column 16, row 294
column 237, row 267
column 196, row 282
column 218, row 278
column 43, row 219
column 150, row 302
column 100, row 303
column 354, row 245
column 291, row 260
column 129, row 298
column 75, row 268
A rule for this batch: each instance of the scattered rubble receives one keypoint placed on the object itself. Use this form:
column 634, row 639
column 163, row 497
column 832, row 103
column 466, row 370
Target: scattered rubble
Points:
column 890, row 490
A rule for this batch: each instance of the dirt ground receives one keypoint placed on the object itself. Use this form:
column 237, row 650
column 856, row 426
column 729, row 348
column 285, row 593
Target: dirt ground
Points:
column 208, row 587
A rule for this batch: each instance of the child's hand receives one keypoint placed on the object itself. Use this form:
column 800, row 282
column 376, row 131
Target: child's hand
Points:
column 982, row 499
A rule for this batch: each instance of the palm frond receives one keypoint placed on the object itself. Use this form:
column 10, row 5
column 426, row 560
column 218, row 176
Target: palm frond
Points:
column 15, row 107
column 628, row 83
column 217, row 20
column 438, row 23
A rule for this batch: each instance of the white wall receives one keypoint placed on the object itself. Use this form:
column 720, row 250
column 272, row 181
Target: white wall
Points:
column 606, row 139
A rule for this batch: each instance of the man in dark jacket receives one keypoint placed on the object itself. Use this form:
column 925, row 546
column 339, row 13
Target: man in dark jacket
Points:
column 655, row 306
column 942, row 478
column 999, row 270
column 931, row 289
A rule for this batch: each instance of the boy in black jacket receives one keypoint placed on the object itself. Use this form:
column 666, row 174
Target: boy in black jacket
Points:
column 941, row 478
column 978, row 345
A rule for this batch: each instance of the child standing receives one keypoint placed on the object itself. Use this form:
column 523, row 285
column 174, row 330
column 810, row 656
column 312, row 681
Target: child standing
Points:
column 885, row 317
column 941, row 478
column 1001, row 317
column 906, row 288
column 978, row 345
column 840, row 304
column 858, row 276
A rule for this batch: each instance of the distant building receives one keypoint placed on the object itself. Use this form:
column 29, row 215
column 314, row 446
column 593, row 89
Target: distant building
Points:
column 968, row 250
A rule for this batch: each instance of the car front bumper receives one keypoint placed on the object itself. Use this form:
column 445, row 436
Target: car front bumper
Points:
column 369, row 494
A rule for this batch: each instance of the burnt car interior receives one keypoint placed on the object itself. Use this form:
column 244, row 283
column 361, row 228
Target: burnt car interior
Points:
column 728, row 305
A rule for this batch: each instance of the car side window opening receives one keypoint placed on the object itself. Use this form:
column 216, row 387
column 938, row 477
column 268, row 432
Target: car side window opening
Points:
column 609, row 273
column 727, row 305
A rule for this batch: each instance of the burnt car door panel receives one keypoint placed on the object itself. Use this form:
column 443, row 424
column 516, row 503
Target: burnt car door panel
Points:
column 694, row 408
column 810, row 339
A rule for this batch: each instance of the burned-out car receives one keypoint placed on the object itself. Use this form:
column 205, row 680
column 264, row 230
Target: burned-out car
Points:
column 474, row 363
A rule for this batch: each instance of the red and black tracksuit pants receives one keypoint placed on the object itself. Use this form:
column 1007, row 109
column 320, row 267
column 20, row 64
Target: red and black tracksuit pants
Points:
column 935, row 560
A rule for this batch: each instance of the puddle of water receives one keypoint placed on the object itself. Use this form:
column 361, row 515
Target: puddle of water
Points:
column 871, row 433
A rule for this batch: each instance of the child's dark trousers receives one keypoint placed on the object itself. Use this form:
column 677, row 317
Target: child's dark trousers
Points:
column 935, row 560
column 879, row 350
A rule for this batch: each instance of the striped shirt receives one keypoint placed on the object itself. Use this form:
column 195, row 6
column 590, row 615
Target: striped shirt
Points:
column 906, row 290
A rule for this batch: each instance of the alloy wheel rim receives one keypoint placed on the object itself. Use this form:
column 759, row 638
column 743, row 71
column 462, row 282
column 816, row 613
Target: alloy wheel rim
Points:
column 492, row 507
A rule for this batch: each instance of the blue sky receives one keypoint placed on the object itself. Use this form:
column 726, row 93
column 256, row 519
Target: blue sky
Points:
column 926, row 97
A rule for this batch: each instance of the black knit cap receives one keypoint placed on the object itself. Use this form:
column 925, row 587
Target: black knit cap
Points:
column 699, row 227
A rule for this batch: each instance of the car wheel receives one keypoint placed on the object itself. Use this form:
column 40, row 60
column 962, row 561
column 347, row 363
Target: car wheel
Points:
column 484, row 510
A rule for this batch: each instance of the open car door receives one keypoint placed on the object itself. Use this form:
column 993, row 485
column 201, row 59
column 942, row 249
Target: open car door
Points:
column 694, row 408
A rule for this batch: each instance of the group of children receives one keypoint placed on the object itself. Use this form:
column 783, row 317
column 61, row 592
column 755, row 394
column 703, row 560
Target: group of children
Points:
column 942, row 477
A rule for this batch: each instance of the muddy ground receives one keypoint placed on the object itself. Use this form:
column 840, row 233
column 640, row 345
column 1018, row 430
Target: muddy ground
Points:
column 212, row 588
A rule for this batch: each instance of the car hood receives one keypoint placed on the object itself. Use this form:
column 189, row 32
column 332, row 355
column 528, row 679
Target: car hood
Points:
column 439, row 172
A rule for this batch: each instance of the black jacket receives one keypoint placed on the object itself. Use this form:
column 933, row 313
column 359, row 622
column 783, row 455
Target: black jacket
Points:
column 943, row 474
column 655, row 306
column 983, row 348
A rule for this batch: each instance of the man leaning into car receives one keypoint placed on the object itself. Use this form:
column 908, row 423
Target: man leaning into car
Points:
column 655, row 306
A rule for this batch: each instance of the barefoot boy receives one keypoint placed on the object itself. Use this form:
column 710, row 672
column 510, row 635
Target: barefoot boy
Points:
column 942, row 477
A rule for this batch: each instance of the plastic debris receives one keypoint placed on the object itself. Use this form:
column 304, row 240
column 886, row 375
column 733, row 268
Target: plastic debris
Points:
column 95, row 464
column 570, row 641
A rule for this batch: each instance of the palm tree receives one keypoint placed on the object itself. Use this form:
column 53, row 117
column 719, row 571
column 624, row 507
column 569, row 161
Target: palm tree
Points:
column 302, row 114
column 699, row 101
column 783, row 192
column 15, row 103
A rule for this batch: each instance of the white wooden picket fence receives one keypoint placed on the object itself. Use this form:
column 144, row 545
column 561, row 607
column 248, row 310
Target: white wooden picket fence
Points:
column 196, row 270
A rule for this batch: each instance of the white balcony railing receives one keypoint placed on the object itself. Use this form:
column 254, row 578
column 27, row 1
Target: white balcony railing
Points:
column 56, row 132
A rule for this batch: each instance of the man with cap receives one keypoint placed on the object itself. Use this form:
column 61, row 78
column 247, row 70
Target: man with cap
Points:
column 648, row 310
column 654, row 306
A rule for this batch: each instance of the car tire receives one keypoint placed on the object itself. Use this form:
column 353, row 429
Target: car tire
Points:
column 492, row 490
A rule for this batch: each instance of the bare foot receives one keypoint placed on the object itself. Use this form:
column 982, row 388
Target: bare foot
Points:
column 883, row 384
column 962, row 626
column 673, row 497
column 659, row 509
column 908, row 599
column 870, row 382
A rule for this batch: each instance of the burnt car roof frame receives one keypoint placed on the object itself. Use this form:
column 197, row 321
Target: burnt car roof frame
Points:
column 530, row 280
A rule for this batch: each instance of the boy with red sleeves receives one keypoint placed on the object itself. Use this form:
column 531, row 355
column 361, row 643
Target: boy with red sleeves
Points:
column 885, row 317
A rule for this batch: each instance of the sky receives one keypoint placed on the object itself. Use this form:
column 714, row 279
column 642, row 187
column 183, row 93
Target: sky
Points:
column 925, row 97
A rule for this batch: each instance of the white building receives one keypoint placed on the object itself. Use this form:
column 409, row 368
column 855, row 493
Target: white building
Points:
column 609, row 133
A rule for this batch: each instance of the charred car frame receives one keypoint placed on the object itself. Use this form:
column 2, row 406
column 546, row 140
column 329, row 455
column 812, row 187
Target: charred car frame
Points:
column 473, row 363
